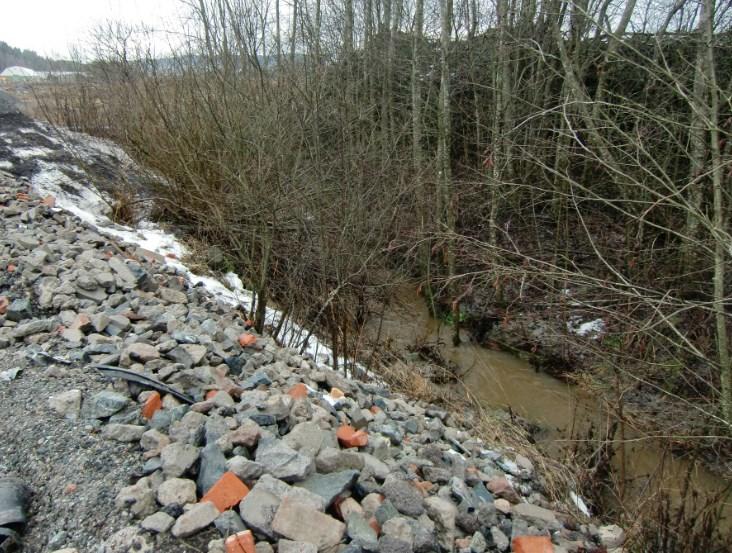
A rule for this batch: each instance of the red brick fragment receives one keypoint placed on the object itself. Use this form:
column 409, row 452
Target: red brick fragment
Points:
column 532, row 544
column 350, row 437
column 298, row 391
column 246, row 340
column 152, row 404
column 227, row 492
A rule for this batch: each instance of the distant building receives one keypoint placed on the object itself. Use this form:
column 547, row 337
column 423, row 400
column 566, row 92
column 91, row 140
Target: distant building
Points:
column 17, row 73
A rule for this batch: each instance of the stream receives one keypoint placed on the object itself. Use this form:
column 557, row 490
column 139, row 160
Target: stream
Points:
column 561, row 410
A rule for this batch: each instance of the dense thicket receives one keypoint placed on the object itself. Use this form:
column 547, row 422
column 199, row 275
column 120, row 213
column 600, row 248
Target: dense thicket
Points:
column 512, row 153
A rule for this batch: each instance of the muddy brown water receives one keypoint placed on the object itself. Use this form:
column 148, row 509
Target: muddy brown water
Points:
column 501, row 380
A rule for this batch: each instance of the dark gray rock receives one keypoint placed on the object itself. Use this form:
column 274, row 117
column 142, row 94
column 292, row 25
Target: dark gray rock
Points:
column 330, row 486
column 105, row 404
column 404, row 496
column 361, row 534
column 19, row 310
column 212, row 467
column 229, row 523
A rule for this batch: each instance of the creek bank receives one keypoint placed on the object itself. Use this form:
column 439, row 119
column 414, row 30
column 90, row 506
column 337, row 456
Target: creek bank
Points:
column 276, row 443
column 571, row 344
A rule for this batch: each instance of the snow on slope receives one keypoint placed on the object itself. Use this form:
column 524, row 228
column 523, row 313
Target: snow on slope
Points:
column 51, row 176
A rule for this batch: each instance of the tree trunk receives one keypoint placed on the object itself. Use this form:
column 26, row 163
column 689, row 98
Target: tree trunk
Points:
column 720, row 231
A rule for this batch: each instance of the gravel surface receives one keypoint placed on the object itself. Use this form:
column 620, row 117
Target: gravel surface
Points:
column 73, row 472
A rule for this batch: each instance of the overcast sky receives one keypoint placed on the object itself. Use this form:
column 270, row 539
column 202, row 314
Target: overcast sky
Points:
column 51, row 27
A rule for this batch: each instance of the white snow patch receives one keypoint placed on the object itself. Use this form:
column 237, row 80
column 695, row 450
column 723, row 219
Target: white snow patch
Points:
column 5, row 164
column 89, row 205
column 589, row 329
column 25, row 153
column 579, row 503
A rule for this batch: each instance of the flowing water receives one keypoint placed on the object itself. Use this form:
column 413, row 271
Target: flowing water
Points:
column 501, row 380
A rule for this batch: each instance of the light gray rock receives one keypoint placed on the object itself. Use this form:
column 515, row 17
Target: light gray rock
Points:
column 123, row 432
column 67, row 404
column 178, row 458
column 159, row 522
column 189, row 429
column 305, row 437
column 245, row 469
column 500, row 541
column 122, row 270
column 258, row 510
column 288, row 546
column 478, row 543
column 611, row 536
column 331, row 459
column 400, row 529
column 139, row 498
column 33, row 327
column 443, row 513
column 534, row 513
column 178, row 491
column 154, row 440
column 140, row 353
column 172, row 296
column 195, row 520
column 299, row 522
column 188, row 355
column 127, row 540
column 283, row 462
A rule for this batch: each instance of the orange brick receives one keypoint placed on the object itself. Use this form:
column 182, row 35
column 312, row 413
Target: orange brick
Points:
column 241, row 542
column 350, row 437
column 246, row 340
column 49, row 201
column 227, row 492
column 532, row 544
column 298, row 391
column 336, row 393
column 152, row 404
column 4, row 302
column 11, row 268
column 211, row 394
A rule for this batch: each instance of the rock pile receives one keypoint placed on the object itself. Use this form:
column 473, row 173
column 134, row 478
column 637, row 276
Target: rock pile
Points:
column 274, row 452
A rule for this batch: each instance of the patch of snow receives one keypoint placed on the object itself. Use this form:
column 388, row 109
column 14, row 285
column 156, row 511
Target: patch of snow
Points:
column 83, row 202
column 92, row 208
column 25, row 153
column 588, row 329
column 579, row 503
column 5, row 164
